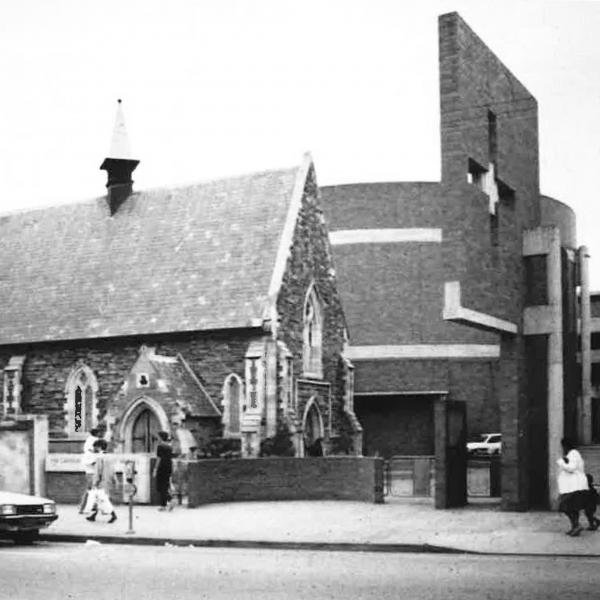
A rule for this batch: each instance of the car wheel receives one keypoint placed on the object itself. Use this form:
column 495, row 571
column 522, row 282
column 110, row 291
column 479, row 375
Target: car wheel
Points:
column 25, row 538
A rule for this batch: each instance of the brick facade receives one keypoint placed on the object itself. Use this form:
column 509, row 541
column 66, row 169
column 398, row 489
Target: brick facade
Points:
column 472, row 226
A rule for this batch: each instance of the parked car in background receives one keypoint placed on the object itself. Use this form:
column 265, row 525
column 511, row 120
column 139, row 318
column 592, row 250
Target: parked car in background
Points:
column 488, row 444
column 22, row 516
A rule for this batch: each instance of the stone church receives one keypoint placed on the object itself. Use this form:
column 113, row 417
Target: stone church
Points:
column 209, row 311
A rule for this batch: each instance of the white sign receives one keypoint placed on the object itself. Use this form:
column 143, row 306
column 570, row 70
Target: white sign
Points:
column 64, row 462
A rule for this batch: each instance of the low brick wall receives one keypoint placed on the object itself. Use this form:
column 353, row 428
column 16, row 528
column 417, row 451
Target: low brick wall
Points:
column 326, row 478
column 65, row 487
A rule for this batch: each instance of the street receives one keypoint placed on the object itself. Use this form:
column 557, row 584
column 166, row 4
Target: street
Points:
column 51, row 571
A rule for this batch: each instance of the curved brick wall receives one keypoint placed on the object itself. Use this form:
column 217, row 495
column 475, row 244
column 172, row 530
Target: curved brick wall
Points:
column 555, row 212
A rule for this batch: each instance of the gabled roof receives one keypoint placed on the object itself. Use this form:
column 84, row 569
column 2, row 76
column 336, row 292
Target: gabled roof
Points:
column 200, row 257
column 179, row 383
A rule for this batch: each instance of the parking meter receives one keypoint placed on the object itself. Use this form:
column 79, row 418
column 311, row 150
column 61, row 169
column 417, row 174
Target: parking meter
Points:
column 130, row 488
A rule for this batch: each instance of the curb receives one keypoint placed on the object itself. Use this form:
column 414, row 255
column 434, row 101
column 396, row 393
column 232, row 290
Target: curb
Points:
column 257, row 544
column 398, row 548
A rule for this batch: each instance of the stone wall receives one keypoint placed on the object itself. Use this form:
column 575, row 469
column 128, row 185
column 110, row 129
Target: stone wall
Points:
column 330, row 478
column 310, row 262
column 211, row 355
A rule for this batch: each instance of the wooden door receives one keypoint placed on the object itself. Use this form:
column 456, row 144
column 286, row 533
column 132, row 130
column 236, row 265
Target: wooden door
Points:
column 145, row 428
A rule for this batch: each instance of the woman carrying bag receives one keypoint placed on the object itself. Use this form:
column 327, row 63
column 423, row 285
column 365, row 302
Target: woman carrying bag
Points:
column 572, row 485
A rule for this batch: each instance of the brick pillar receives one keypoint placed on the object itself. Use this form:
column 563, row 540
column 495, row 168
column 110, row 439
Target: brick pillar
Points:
column 513, row 423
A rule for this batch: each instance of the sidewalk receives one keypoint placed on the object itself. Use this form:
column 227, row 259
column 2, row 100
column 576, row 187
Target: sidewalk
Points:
column 394, row 527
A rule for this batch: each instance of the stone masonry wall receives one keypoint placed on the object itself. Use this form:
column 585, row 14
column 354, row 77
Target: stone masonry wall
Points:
column 211, row 355
column 310, row 261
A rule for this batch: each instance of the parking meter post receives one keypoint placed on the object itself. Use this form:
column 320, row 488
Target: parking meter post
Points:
column 130, row 474
column 131, row 495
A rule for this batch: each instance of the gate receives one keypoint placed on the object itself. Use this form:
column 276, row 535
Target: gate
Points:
column 410, row 476
column 450, row 453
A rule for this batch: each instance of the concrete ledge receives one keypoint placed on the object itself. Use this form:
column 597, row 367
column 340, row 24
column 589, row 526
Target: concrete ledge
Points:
column 543, row 319
column 454, row 311
column 384, row 236
column 422, row 351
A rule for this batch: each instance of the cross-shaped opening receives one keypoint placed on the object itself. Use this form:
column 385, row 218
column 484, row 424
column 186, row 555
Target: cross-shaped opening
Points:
column 487, row 180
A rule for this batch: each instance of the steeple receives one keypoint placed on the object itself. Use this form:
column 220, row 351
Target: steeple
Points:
column 118, row 164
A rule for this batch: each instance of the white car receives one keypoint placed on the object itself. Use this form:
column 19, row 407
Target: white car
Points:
column 489, row 444
column 22, row 516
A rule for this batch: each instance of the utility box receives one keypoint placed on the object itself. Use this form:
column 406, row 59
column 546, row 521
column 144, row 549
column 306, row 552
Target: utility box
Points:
column 23, row 448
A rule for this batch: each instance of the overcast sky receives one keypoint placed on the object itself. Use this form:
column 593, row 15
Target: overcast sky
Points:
column 220, row 87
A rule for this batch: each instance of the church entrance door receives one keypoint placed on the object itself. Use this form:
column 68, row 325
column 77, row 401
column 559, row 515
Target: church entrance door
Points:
column 143, row 433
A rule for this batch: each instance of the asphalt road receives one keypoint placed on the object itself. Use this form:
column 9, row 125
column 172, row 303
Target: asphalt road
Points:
column 118, row 572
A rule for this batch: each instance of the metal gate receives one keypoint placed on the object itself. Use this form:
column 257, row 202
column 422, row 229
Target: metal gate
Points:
column 410, row 476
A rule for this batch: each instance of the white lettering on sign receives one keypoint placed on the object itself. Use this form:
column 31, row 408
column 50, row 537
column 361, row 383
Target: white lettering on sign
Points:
column 64, row 462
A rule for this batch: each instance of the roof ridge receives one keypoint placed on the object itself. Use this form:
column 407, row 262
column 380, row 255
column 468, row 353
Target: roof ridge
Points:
column 148, row 191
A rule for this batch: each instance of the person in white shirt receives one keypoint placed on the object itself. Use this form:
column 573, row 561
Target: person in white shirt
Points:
column 572, row 485
column 103, row 479
column 88, row 460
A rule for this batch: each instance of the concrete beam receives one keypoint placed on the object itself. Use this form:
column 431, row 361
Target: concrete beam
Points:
column 423, row 351
column 454, row 311
column 384, row 236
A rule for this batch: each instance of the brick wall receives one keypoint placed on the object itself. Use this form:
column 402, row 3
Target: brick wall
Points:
column 331, row 478
column 65, row 488
column 396, row 425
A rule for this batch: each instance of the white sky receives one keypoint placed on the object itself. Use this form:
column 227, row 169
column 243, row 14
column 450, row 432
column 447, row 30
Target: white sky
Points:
column 221, row 87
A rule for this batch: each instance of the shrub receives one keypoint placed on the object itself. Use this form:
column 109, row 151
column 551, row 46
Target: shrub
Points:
column 278, row 445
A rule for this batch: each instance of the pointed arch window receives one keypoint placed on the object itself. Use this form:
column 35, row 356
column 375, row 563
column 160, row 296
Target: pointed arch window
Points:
column 81, row 402
column 312, row 335
column 232, row 405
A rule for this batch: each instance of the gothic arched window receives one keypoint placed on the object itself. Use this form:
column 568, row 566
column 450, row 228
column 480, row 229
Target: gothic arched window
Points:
column 80, row 403
column 313, row 335
column 232, row 405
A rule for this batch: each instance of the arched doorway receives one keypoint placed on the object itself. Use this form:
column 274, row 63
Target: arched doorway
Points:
column 142, row 420
column 144, row 431
column 313, row 429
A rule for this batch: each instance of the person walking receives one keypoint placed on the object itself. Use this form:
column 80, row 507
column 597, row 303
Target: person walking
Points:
column 103, row 476
column 88, row 461
column 572, row 485
column 163, row 470
column 591, row 504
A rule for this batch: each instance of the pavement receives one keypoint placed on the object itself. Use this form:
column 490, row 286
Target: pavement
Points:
column 399, row 525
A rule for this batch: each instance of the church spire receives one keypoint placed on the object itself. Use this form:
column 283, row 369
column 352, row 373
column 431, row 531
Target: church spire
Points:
column 118, row 164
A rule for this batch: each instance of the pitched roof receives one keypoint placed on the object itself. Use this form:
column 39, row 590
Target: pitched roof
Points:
column 183, row 386
column 172, row 378
column 192, row 258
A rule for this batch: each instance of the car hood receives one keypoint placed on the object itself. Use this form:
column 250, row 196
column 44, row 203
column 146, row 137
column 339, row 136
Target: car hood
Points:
column 15, row 498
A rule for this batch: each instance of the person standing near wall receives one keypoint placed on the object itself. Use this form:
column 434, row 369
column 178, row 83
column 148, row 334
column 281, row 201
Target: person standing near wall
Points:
column 88, row 460
column 163, row 470
column 572, row 485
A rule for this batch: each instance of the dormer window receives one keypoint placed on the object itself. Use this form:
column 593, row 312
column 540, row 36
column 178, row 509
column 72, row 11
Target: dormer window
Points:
column 312, row 335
